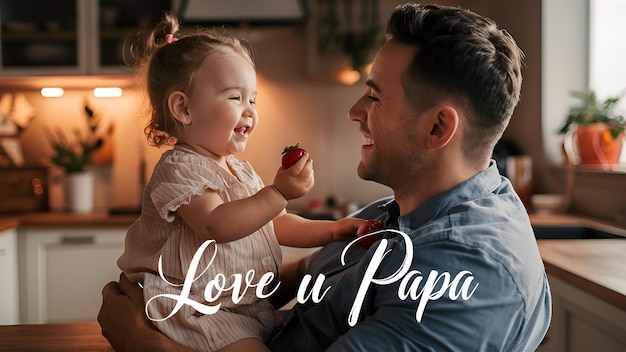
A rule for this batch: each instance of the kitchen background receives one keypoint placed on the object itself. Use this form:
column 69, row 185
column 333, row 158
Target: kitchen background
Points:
column 303, row 97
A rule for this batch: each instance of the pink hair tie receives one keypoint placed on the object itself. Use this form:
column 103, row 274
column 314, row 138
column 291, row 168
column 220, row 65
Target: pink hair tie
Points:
column 170, row 38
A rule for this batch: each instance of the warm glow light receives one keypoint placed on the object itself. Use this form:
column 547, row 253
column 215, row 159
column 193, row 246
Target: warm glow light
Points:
column 367, row 68
column 50, row 92
column 349, row 76
column 107, row 92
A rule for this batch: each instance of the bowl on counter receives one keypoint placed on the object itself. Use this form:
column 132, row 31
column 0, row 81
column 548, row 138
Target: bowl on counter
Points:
column 548, row 203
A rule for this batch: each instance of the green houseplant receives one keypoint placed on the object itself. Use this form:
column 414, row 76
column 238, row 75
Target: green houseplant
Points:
column 75, row 154
column 597, row 129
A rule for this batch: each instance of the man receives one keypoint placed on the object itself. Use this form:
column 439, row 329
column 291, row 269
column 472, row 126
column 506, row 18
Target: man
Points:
column 459, row 267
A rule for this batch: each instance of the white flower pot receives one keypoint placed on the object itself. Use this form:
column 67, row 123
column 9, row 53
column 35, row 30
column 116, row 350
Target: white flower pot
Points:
column 79, row 189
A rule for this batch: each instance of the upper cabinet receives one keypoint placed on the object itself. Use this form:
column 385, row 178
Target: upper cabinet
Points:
column 41, row 34
column 118, row 24
column 72, row 37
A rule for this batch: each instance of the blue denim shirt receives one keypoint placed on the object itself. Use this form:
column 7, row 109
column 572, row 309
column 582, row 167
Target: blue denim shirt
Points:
column 479, row 229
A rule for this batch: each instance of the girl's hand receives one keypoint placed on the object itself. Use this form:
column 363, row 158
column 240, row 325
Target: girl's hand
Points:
column 345, row 229
column 297, row 180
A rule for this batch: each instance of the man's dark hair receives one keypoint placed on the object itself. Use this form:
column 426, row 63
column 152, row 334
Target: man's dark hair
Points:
column 464, row 59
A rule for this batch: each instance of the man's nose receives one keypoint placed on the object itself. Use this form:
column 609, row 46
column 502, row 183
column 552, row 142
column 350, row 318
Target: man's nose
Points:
column 357, row 112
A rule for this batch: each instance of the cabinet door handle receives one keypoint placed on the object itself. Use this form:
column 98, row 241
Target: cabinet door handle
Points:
column 78, row 240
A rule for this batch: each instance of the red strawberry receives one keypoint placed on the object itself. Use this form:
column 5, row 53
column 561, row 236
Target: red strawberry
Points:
column 292, row 154
column 368, row 227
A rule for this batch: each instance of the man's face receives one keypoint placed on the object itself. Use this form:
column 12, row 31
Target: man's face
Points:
column 391, row 136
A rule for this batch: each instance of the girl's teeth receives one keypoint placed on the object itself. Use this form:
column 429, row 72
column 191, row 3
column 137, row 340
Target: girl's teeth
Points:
column 368, row 141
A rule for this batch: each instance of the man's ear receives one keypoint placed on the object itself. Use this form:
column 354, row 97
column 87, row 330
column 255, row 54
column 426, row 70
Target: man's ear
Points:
column 444, row 122
column 177, row 103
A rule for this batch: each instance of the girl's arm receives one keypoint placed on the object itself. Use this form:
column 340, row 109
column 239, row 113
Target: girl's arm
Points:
column 295, row 231
column 208, row 216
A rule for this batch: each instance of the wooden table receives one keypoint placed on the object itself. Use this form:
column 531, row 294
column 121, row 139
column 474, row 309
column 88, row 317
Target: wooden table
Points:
column 85, row 336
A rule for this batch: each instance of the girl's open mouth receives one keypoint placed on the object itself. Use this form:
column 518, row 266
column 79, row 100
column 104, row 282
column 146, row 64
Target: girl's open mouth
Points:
column 242, row 130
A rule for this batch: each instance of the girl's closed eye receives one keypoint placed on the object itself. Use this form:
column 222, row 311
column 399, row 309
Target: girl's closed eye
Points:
column 236, row 97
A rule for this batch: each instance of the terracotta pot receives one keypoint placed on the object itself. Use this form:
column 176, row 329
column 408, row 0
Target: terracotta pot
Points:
column 594, row 144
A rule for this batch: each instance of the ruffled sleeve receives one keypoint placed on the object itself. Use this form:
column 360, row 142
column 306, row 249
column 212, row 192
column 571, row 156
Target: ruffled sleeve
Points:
column 180, row 175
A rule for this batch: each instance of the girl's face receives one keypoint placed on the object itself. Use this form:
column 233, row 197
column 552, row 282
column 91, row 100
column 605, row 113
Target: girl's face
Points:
column 222, row 105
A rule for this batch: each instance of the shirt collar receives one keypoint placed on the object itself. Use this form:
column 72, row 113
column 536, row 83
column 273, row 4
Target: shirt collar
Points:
column 479, row 185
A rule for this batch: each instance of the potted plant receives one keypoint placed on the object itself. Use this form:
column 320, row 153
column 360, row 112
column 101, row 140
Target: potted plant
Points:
column 597, row 129
column 74, row 156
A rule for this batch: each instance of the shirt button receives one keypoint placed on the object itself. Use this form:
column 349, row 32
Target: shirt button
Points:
column 266, row 261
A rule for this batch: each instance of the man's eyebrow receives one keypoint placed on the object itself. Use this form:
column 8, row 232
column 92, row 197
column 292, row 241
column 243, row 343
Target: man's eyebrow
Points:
column 372, row 85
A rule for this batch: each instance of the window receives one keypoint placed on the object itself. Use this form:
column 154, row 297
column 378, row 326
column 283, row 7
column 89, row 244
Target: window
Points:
column 607, row 52
column 607, row 49
column 582, row 47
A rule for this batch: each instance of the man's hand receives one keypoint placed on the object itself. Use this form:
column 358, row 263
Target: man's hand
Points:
column 124, row 322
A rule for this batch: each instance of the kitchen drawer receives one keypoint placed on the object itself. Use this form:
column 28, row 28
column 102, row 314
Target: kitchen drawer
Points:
column 63, row 270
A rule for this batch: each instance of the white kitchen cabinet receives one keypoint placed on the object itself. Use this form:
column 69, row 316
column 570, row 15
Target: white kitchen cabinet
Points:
column 9, row 290
column 582, row 322
column 71, row 37
column 63, row 270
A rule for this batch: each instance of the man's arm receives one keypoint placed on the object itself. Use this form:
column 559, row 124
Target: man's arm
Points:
column 124, row 322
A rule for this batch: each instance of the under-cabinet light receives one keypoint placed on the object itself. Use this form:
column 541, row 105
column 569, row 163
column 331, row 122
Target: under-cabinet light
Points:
column 348, row 76
column 107, row 92
column 52, row 92
column 367, row 68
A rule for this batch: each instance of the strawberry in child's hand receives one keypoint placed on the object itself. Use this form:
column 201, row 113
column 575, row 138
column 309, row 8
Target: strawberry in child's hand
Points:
column 368, row 227
column 292, row 154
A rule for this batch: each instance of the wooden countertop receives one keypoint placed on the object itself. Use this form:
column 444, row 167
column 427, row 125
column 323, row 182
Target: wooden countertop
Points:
column 103, row 219
column 52, row 219
column 85, row 336
column 8, row 223
column 595, row 266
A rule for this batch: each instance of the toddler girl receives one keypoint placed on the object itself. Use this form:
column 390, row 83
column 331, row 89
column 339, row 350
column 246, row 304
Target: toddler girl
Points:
column 202, row 91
